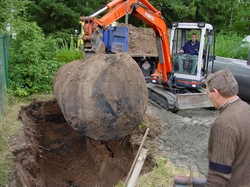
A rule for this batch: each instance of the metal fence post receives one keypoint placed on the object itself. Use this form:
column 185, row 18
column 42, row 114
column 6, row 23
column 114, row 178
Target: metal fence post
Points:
column 5, row 59
column 3, row 70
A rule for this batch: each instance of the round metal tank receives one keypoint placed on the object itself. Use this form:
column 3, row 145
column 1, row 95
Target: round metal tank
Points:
column 104, row 97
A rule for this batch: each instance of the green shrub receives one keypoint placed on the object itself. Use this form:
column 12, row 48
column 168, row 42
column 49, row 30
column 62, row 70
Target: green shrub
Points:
column 34, row 60
column 68, row 52
column 230, row 46
column 32, row 65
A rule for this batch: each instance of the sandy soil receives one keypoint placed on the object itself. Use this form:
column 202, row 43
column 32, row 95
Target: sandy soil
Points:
column 141, row 41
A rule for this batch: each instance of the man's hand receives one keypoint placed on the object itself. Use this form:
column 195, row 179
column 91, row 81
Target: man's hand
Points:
column 181, row 51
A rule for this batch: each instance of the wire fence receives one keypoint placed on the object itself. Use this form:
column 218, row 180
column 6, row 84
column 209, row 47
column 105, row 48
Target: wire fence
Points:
column 4, row 43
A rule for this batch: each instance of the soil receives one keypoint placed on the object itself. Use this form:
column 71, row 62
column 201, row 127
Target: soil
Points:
column 49, row 152
column 141, row 41
column 54, row 154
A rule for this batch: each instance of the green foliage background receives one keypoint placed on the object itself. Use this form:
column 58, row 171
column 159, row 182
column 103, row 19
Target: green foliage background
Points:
column 34, row 60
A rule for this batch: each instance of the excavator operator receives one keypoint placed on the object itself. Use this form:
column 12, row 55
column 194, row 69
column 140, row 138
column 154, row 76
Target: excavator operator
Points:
column 190, row 51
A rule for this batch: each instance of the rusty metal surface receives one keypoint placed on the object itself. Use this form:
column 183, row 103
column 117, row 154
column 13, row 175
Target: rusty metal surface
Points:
column 104, row 97
column 185, row 181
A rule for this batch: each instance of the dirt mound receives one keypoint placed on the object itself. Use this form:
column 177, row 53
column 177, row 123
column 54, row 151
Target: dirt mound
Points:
column 141, row 41
column 54, row 154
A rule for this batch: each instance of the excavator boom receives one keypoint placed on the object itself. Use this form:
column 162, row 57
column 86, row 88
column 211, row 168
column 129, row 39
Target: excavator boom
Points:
column 144, row 11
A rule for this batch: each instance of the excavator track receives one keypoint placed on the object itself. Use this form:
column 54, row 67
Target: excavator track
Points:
column 175, row 102
column 161, row 97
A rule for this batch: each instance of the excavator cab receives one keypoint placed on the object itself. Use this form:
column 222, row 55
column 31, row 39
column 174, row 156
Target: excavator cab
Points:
column 190, row 70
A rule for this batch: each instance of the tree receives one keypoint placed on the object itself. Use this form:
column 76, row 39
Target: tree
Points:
column 60, row 18
column 241, row 20
column 218, row 14
column 10, row 12
column 55, row 18
column 32, row 63
column 178, row 10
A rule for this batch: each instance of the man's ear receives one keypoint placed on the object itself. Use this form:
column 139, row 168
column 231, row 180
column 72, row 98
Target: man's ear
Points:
column 217, row 93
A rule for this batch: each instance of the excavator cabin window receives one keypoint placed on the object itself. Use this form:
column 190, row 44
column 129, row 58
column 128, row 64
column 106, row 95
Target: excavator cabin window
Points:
column 186, row 45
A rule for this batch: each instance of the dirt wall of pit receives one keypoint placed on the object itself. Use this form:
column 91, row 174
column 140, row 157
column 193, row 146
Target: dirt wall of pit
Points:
column 54, row 154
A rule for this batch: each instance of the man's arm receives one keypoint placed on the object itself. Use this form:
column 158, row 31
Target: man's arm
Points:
column 222, row 147
column 184, row 47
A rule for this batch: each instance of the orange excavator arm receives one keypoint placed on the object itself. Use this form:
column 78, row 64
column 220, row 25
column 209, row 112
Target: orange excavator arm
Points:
column 144, row 11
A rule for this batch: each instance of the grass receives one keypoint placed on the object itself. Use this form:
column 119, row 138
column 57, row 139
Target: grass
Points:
column 143, row 125
column 230, row 46
column 162, row 175
column 6, row 158
column 9, row 127
column 69, row 52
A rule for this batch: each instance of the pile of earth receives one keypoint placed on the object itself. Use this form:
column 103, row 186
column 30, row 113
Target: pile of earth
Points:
column 51, row 153
column 141, row 40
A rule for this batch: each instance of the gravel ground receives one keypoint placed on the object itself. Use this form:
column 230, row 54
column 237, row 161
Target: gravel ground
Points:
column 185, row 136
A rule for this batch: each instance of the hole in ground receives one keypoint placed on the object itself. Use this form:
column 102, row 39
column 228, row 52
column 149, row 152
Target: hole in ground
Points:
column 54, row 154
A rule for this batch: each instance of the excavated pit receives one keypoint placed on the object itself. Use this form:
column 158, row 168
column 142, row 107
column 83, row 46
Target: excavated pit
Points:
column 52, row 153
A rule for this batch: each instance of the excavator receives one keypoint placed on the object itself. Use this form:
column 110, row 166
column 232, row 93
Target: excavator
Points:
column 167, row 87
